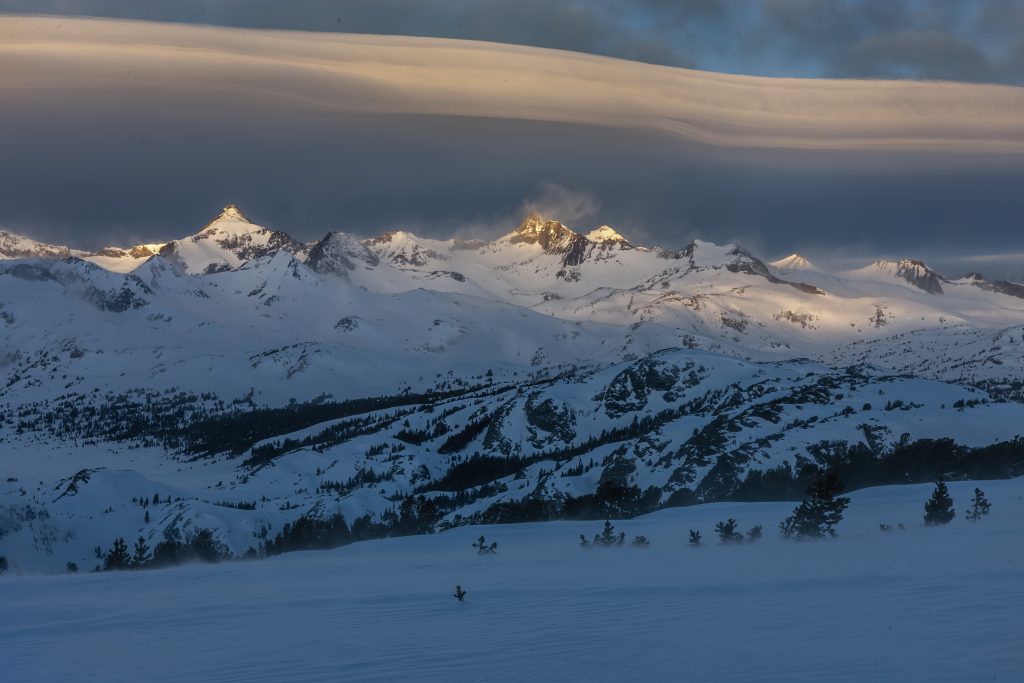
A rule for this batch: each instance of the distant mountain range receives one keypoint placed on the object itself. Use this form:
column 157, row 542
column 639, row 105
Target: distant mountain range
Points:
column 242, row 366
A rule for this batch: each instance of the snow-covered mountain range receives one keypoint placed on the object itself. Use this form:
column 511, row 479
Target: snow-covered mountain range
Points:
column 248, row 378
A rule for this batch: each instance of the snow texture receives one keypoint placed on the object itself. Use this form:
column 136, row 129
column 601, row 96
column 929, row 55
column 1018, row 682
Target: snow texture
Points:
column 936, row 604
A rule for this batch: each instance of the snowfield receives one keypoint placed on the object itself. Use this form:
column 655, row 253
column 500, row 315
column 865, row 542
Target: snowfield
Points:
column 936, row 604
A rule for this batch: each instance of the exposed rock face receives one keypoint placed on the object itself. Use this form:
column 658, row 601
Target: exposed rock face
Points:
column 339, row 254
column 998, row 286
column 552, row 236
column 549, row 420
column 403, row 250
column 920, row 275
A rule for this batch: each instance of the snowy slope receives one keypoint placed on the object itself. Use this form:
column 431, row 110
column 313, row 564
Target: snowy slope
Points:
column 581, row 356
column 867, row 605
column 689, row 424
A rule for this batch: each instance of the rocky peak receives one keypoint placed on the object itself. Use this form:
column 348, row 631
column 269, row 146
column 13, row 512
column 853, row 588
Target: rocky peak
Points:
column 920, row 275
column 231, row 212
column 338, row 253
column 536, row 230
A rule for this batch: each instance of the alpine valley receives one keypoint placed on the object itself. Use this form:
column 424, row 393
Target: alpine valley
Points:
column 240, row 380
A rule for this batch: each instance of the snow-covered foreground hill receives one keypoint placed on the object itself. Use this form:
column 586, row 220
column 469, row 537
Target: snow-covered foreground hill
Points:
column 936, row 604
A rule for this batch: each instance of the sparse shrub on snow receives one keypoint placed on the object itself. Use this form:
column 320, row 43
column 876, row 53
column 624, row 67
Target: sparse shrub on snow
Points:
column 483, row 549
column 640, row 542
column 979, row 506
column 727, row 533
column 3, row 565
column 694, row 537
column 606, row 538
column 755, row 533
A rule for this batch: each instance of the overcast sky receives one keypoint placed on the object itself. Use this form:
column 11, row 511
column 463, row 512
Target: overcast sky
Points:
column 122, row 132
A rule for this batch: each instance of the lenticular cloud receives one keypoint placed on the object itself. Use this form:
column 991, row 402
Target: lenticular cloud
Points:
column 441, row 77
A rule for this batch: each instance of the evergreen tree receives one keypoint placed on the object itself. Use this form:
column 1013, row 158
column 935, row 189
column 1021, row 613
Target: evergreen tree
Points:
column 141, row 556
column 608, row 537
column 755, row 533
column 205, row 547
column 460, row 594
column 3, row 564
column 71, row 567
column 727, row 533
column 117, row 557
column 820, row 512
column 146, row 519
column 694, row 537
column 640, row 542
column 939, row 508
column 979, row 506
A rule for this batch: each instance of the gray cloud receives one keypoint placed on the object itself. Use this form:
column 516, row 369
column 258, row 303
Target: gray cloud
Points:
column 115, row 134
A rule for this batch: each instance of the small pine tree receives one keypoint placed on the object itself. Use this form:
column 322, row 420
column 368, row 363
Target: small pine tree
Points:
column 727, row 533
column 755, row 533
column 146, row 519
column 979, row 506
column 117, row 557
column 939, row 508
column 483, row 549
column 640, row 542
column 71, row 567
column 584, row 542
column 885, row 527
column 694, row 537
column 460, row 594
column 141, row 556
column 607, row 537
column 819, row 514
column 3, row 565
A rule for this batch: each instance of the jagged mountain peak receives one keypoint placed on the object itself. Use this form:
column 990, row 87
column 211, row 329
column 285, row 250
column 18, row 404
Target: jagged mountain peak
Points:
column 794, row 261
column 228, row 241
column 535, row 229
column 231, row 212
column 230, row 220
